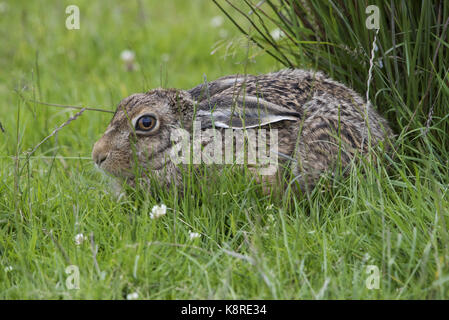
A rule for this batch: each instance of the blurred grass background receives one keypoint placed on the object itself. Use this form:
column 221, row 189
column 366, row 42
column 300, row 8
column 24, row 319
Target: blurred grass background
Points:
column 390, row 214
column 39, row 57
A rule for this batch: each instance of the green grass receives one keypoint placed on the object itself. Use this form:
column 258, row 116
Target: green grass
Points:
column 392, row 214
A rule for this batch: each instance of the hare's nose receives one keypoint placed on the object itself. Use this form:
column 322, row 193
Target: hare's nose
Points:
column 99, row 153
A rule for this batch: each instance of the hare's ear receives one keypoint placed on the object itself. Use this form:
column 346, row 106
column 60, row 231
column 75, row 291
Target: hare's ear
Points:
column 242, row 112
column 208, row 89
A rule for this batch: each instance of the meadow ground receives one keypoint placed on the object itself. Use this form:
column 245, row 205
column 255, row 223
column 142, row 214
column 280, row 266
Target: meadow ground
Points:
column 393, row 217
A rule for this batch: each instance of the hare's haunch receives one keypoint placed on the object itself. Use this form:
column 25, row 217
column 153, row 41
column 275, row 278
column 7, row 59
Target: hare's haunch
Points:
column 318, row 123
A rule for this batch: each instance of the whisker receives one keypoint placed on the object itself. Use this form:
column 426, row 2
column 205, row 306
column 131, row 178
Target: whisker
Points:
column 66, row 106
column 46, row 157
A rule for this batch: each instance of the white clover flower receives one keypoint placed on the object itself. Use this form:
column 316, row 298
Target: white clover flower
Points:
column 216, row 21
column 8, row 268
column 277, row 34
column 165, row 57
column 127, row 56
column 194, row 235
column 380, row 63
column 158, row 211
column 222, row 33
column 132, row 296
column 3, row 7
column 79, row 239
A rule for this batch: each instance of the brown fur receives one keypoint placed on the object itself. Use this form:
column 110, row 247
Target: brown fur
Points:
column 322, row 122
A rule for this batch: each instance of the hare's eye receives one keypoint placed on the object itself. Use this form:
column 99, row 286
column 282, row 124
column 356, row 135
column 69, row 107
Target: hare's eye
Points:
column 146, row 123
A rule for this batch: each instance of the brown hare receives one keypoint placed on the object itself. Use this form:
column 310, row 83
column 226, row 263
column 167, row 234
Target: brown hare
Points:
column 319, row 123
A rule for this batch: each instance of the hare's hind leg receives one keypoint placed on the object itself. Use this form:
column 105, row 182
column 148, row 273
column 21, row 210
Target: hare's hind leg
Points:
column 325, row 145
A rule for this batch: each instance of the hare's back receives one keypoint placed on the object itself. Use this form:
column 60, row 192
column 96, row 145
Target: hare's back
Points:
column 302, row 91
column 288, row 88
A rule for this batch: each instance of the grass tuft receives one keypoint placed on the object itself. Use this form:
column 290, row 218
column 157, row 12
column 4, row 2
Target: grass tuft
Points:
column 391, row 212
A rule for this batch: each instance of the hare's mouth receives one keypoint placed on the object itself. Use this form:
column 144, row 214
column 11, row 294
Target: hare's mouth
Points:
column 121, row 174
